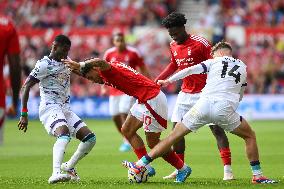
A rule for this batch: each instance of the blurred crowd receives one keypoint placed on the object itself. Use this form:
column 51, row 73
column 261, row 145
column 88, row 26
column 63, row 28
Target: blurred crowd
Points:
column 264, row 56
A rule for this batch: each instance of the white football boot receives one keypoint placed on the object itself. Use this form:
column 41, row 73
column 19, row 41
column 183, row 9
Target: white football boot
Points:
column 58, row 177
column 228, row 176
column 70, row 171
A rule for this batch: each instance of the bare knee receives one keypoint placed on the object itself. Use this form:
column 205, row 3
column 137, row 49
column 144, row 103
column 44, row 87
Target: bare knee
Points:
column 126, row 132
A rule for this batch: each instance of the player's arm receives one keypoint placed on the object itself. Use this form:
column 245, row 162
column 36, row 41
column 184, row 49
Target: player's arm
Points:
column 15, row 78
column 169, row 70
column 197, row 69
column 13, row 53
column 29, row 83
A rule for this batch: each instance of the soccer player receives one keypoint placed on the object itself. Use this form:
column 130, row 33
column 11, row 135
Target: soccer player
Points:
column 149, row 111
column 188, row 50
column 120, row 103
column 9, row 45
column 217, row 104
column 54, row 111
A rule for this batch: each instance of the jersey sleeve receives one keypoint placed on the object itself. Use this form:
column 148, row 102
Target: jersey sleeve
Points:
column 106, row 56
column 197, row 69
column 206, row 51
column 13, row 44
column 39, row 72
column 138, row 59
column 169, row 70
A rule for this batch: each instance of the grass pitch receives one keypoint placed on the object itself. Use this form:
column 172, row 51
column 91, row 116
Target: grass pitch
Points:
column 26, row 159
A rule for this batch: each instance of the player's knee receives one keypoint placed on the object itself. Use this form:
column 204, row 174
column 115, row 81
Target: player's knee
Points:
column 126, row 132
column 217, row 131
column 90, row 138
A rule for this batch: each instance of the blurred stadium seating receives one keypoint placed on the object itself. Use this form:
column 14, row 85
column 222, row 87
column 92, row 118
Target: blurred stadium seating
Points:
column 90, row 24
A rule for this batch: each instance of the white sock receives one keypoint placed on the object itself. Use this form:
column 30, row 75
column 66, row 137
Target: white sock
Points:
column 83, row 149
column 228, row 169
column 58, row 152
column 183, row 168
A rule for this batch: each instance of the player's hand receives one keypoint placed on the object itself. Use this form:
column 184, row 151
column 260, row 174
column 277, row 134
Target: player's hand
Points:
column 23, row 123
column 163, row 83
column 71, row 64
column 11, row 111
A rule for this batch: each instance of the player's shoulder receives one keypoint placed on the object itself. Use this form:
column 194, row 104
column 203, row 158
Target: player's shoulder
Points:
column 200, row 40
column 132, row 50
column 44, row 61
column 110, row 50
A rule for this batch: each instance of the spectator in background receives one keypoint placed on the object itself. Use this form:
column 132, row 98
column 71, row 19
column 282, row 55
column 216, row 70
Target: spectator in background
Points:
column 9, row 45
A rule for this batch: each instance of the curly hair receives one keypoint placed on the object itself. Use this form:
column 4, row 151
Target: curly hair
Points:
column 62, row 40
column 174, row 19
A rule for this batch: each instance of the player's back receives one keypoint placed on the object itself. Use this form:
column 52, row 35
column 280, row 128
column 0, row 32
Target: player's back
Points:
column 225, row 78
column 130, row 81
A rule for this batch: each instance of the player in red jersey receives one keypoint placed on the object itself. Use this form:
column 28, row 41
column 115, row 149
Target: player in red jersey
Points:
column 149, row 111
column 9, row 45
column 120, row 103
column 188, row 50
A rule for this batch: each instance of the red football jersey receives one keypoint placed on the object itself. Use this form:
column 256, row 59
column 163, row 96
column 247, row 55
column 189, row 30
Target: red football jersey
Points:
column 129, row 81
column 9, row 44
column 130, row 56
column 193, row 51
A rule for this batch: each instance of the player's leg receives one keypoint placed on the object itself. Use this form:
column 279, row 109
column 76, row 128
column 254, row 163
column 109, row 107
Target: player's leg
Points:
column 63, row 138
column 79, row 130
column 184, row 103
column 245, row 131
column 2, row 120
column 55, row 124
column 125, row 104
column 224, row 149
column 129, row 131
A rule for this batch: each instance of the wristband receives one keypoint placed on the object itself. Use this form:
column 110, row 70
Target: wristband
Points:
column 24, row 114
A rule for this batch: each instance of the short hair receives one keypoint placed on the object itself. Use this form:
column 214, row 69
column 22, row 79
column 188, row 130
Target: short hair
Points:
column 221, row 45
column 62, row 40
column 174, row 19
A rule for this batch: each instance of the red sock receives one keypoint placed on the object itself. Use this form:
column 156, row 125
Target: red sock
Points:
column 225, row 154
column 181, row 156
column 173, row 159
column 140, row 152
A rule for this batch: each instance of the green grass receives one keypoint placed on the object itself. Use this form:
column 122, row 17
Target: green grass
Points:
column 25, row 159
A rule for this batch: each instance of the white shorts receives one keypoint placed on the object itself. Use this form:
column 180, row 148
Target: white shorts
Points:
column 120, row 104
column 159, row 105
column 54, row 116
column 185, row 101
column 220, row 112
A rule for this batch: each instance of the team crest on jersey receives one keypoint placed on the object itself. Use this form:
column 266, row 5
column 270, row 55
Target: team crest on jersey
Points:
column 126, row 59
column 175, row 53
column 113, row 59
column 188, row 51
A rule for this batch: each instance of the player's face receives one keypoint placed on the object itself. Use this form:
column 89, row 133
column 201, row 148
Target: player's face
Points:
column 60, row 51
column 178, row 34
column 119, row 41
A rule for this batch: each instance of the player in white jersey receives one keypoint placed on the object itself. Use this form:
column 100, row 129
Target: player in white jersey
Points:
column 54, row 111
column 217, row 104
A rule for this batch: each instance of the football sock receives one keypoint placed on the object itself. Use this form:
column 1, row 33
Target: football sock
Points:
column 83, row 149
column 140, row 152
column 173, row 159
column 255, row 167
column 181, row 156
column 58, row 152
column 225, row 154
column 183, row 167
column 228, row 169
column 145, row 160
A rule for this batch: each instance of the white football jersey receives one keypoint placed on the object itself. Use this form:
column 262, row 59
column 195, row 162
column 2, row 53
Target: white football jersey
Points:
column 225, row 78
column 54, row 81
